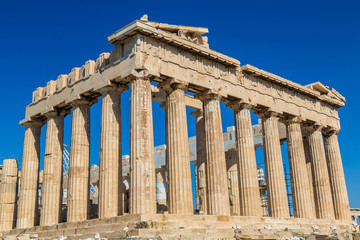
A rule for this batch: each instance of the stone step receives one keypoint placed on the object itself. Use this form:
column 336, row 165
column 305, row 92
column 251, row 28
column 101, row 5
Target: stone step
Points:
column 173, row 226
column 188, row 224
column 195, row 233
column 156, row 225
column 84, row 230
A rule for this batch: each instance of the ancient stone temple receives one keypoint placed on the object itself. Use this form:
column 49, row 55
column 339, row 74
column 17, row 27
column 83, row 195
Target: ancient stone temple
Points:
column 174, row 65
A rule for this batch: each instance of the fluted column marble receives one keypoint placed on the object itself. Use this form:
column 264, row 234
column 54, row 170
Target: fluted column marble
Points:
column 200, row 159
column 79, row 169
column 177, row 146
column 322, row 191
column 52, row 176
column 337, row 178
column 249, row 193
column 160, row 187
column 197, row 206
column 301, row 197
column 8, row 190
column 234, row 190
column 28, row 196
column 275, row 178
column 110, row 189
column 309, row 172
column 216, row 174
column 142, row 161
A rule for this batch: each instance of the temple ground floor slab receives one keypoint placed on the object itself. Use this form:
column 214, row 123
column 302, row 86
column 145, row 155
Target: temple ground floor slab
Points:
column 167, row 226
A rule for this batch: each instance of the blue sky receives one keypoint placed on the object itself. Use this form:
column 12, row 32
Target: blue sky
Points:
column 304, row 41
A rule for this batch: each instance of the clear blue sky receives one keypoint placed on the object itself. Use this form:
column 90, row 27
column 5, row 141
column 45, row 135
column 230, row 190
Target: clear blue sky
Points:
column 304, row 41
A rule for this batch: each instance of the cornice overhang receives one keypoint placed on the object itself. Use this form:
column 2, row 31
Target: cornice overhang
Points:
column 147, row 28
column 306, row 90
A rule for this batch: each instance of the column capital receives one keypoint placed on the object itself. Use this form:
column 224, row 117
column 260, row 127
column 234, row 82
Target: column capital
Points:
column 173, row 84
column 210, row 94
column 140, row 74
column 239, row 105
column 33, row 123
column 119, row 88
column 291, row 119
column 312, row 127
column 83, row 101
column 197, row 113
column 162, row 106
column 161, row 169
column 330, row 131
column 60, row 113
column 266, row 113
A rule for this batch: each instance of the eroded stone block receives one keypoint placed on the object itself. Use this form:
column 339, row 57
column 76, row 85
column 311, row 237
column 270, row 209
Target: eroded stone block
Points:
column 102, row 61
column 73, row 76
column 61, row 82
column 51, row 88
column 87, row 69
column 38, row 94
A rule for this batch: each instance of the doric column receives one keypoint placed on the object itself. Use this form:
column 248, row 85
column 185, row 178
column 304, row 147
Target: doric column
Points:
column 216, row 175
column 8, row 197
column 249, row 193
column 337, row 178
column 275, row 178
column 142, row 162
column 322, row 191
column 160, row 186
column 52, row 176
column 28, row 197
column 179, row 188
column 302, row 203
column 79, row 170
column 110, row 188
column 200, row 159
column 234, row 190
column 196, row 186
column 309, row 172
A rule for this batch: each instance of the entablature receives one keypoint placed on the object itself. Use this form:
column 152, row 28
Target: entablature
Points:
column 316, row 90
column 159, row 51
column 155, row 31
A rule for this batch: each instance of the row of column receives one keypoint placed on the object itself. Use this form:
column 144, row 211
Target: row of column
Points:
column 212, row 173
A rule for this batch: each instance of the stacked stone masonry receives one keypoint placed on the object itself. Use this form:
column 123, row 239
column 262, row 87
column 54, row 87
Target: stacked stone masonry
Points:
column 178, row 59
column 8, row 194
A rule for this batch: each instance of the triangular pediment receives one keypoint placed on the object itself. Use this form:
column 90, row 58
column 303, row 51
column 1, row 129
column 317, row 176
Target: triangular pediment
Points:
column 190, row 33
column 325, row 91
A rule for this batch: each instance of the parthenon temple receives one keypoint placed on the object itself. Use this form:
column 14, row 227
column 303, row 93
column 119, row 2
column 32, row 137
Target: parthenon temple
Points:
column 138, row 196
